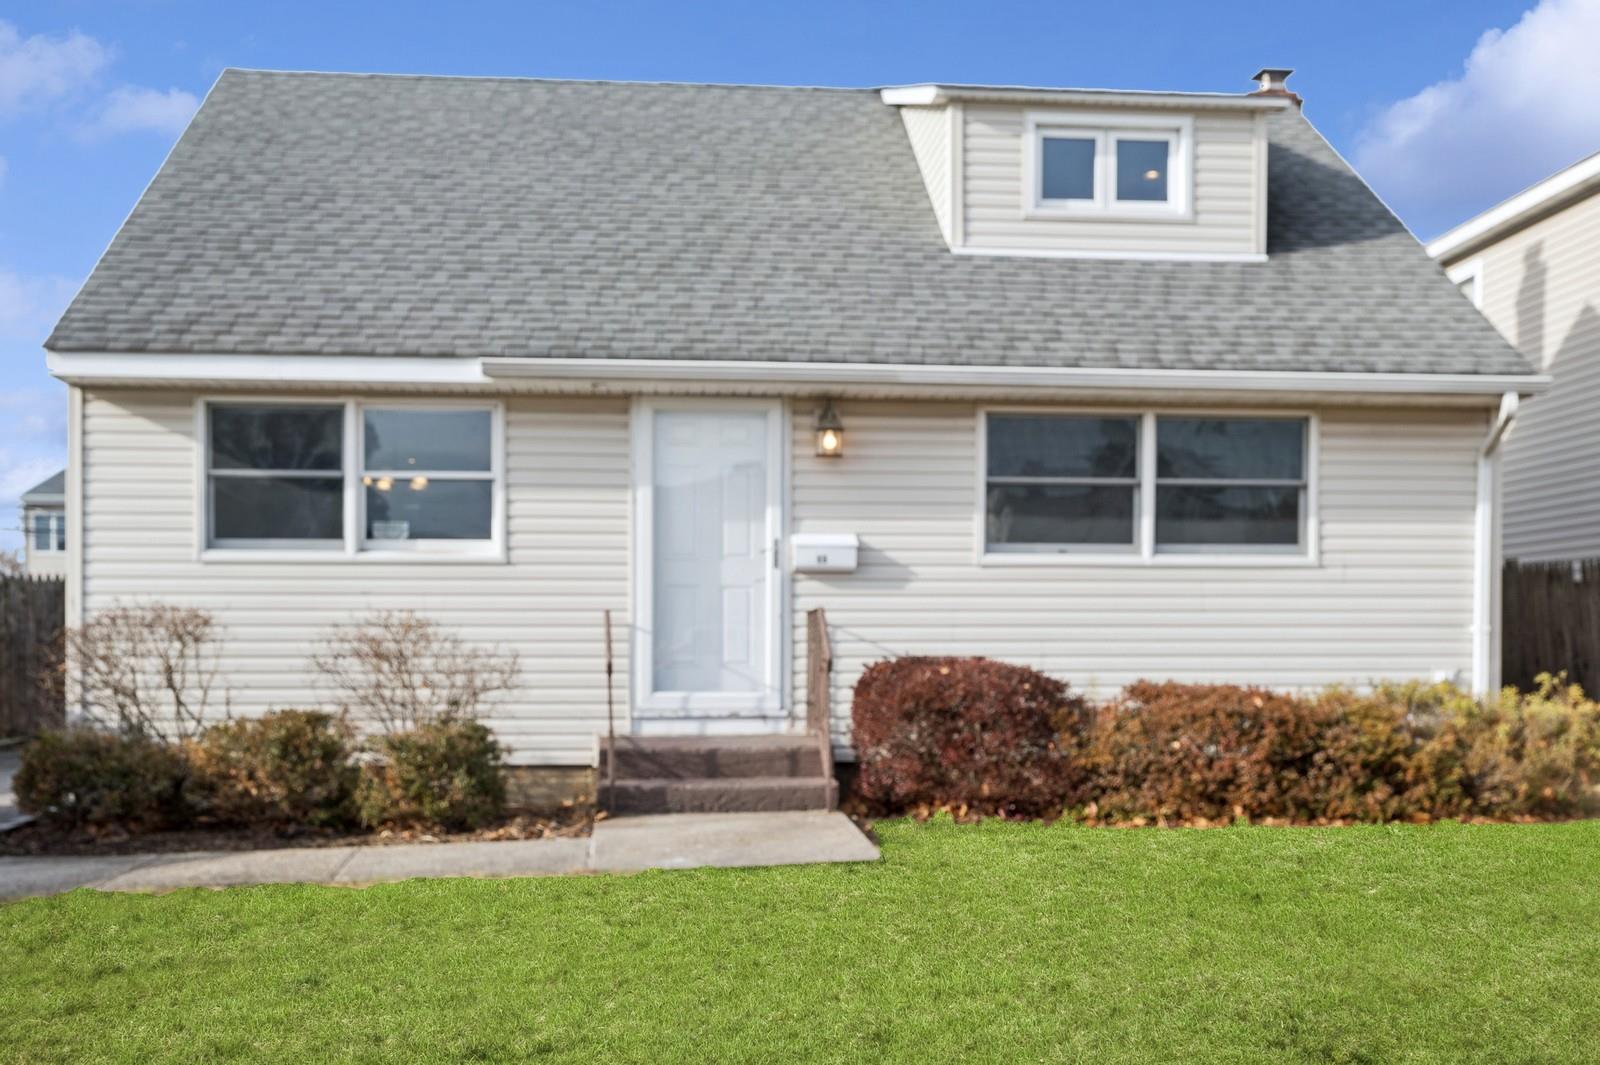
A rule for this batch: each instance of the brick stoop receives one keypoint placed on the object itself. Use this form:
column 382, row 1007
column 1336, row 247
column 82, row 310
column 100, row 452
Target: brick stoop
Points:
column 717, row 774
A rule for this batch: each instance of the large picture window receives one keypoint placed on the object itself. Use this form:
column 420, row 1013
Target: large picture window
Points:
column 1235, row 483
column 276, row 475
column 1060, row 482
column 352, row 478
column 427, row 475
column 1146, row 484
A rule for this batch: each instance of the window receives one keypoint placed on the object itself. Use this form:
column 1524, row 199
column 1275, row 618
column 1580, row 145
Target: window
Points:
column 277, row 475
column 1230, row 483
column 427, row 475
column 1058, row 482
column 350, row 478
column 1134, row 167
column 48, row 533
column 1146, row 484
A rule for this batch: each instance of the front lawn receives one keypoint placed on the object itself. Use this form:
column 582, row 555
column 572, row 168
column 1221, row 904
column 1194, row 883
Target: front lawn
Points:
column 998, row 942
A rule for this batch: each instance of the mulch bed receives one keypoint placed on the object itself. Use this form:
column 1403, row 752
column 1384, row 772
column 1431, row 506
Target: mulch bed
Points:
column 38, row 838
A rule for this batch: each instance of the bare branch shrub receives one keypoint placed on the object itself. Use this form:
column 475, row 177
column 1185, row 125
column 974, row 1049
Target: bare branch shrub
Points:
column 148, row 670
column 11, row 564
column 400, row 670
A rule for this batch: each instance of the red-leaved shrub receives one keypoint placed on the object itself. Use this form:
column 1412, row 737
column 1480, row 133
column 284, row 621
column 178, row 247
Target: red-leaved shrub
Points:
column 1210, row 752
column 963, row 732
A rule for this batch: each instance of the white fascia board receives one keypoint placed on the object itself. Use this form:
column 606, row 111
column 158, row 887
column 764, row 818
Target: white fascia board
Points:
column 419, row 371
column 932, row 95
column 107, row 368
column 848, row 373
column 1576, row 180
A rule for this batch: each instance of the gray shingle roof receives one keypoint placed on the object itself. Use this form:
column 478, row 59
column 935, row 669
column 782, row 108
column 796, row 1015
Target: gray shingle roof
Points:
column 53, row 489
column 352, row 214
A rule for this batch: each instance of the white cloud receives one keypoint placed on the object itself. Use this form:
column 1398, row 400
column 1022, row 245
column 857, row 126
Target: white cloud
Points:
column 1523, row 107
column 134, row 109
column 38, row 69
column 29, row 306
column 32, row 447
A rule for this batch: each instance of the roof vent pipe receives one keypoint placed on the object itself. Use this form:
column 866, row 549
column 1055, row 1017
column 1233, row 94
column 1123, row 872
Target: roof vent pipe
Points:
column 1274, row 81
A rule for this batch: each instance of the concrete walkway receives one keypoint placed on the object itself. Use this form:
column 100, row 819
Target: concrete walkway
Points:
column 623, row 844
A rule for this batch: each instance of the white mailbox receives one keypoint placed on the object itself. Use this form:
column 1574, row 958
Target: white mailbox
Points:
column 825, row 552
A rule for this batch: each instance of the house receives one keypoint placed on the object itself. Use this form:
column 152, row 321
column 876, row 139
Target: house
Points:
column 1532, row 266
column 44, row 527
column 1115, row 384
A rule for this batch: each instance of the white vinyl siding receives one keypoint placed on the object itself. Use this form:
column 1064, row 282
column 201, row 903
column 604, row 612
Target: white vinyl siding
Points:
column 1226, row 191
column 1541, row 288
column 567, row 487
column 929, row 131
column 1389, row 598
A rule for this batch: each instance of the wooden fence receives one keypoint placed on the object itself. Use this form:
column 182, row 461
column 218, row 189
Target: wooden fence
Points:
column 32, row 611
column 1551, row 618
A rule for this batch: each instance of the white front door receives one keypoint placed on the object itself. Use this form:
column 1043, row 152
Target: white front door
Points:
column 708, row 643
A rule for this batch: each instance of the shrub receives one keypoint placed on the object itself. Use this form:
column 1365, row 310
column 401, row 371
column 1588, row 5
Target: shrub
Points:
column 80, row 777
column 148, row 669
column 399, row 670
column 963, row 732
column 1201, row 752
column 1523, row 754
column 1363, row 769
column 444, row 774
column 289, row 768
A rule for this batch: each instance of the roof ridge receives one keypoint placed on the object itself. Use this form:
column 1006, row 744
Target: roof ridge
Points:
column 533, row 79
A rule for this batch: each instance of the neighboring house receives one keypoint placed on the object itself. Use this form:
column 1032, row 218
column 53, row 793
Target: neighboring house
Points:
column 44, row 527
column 1115, row 384
column 1532, row 265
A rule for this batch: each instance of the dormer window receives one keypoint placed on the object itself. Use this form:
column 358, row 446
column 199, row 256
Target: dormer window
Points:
column 1108, row 166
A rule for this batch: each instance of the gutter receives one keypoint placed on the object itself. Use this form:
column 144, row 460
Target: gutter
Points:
column 1485, row 556
column 425, row 371
column 1089, row 378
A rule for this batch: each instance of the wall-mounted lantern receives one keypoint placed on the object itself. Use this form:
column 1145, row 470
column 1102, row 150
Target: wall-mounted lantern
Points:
column 830, row 432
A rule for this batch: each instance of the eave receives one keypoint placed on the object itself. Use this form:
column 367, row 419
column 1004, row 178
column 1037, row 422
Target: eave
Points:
column 624, row 376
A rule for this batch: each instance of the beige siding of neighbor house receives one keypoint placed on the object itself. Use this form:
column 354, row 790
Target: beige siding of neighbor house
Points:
column 929, row 131
column 1390, row 597
column 1228, row 194
column 567, row 490
column 1541, row 288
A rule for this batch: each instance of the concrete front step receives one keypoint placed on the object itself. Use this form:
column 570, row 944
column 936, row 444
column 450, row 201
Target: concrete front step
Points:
column 720, row 795
column 714, row 758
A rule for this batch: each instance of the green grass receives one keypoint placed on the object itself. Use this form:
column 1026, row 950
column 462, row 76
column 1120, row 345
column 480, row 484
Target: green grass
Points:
column 997, row 942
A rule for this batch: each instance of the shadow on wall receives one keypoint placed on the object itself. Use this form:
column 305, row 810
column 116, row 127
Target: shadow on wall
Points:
column 1530, row 306
column 1553, row 456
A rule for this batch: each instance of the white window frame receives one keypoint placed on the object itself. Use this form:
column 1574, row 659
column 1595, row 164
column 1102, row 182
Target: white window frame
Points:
column 1105, row 130
column 1147, row 552
column 57, row 520
column 1471, row 270
column 353, row 546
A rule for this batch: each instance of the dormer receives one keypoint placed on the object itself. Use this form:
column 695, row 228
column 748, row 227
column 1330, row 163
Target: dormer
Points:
column 1080, row 173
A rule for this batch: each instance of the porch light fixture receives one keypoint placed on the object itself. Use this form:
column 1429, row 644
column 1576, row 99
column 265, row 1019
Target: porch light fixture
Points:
column 830, row 432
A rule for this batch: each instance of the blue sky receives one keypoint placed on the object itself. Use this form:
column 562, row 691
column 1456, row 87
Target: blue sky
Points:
column 1447, row 106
